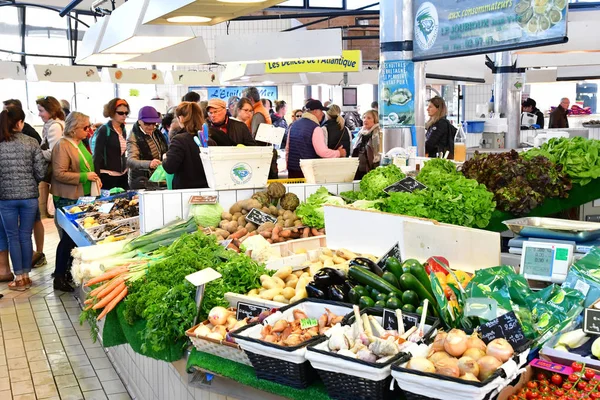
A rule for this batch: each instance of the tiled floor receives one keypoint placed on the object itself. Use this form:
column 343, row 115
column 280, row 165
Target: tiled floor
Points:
column 44, row 352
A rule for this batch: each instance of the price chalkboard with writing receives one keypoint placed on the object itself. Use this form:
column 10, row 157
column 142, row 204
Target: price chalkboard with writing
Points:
column 393, row 252
column 591, row 321
column 390, row 322
column 407, row 185
column 506, row 326
column 258, row 217
column 246, row 310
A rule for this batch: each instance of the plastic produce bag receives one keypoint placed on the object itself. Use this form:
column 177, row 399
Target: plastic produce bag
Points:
column 159, row 175
column 584, row 275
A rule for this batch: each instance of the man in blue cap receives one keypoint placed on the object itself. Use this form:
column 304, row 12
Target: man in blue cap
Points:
column 145, row 147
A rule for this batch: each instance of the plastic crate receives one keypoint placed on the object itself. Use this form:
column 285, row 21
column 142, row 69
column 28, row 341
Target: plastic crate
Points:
column 329, row 170
column 95, row 233
column 228, row 168
column 475, row 126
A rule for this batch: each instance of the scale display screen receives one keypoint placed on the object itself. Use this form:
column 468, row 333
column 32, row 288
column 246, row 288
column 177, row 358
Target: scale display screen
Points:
column 538, row 261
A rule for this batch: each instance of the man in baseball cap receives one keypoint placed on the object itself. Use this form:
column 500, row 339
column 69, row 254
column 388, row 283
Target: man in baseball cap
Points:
column 145, row 147
column 226, row 131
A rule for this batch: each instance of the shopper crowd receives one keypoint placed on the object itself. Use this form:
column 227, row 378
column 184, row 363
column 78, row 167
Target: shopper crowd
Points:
column 74, row 158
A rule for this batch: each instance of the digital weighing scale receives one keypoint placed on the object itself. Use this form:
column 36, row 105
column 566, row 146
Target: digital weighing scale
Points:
column 547, row 262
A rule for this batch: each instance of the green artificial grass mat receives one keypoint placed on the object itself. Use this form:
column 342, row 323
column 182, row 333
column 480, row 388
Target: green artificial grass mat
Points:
column 117, row 331
column 578, row 196
column 246, row 376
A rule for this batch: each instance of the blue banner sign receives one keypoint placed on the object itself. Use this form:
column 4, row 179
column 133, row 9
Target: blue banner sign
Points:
column 225, row 92
column 397, row 92
column 451, row 28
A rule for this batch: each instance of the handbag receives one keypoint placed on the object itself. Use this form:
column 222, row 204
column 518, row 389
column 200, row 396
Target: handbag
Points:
column 95, row 189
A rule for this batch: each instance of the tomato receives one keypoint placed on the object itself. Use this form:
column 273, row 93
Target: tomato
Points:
column 589, row 374
column 544, row 389
column 567, row 386
column 544, row 382
column 595, row 382
column 559, row 392
column 540, row 376
column 577, row 366
column 595, row 395
column 581, row 385
column 557, row 379
column 532, row 385
column 588, row 388
column 573, row 378
column 513, row 397
column 533, row 395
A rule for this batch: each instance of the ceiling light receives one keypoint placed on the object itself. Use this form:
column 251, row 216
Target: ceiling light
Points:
column 242, row 1
column 189, row 19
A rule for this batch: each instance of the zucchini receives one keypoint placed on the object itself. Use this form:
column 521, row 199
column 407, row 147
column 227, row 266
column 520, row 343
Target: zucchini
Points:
column 393, row 265
column 391, row 279
column 408, row 281
column 365, row 277
column 419, row 272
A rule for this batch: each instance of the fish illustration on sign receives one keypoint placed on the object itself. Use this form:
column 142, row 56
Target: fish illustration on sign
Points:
column 241, row 172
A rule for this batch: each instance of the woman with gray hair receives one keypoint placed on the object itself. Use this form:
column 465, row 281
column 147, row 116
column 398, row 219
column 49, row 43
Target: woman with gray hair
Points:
column 336, row 133
column 72, row 177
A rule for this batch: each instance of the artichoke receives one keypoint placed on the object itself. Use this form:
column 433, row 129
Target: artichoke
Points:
column 262, row 198
column 289, row 201
column 276, row 191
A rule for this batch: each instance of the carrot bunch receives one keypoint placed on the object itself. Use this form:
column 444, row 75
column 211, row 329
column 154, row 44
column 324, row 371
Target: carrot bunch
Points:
column 113, row 290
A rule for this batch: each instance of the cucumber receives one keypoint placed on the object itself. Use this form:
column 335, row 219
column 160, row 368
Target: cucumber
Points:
column 408, row 281
column 409, row 308
column 365, row 302
column 410, row 297
column 365, row 277
column 419, row 272
column 391, row 279
column 393, row 265
column 393, row 303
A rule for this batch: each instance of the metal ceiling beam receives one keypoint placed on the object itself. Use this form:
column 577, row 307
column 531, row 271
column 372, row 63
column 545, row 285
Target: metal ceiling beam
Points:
column 334, row 14
column 328, row 18
column 69, row 7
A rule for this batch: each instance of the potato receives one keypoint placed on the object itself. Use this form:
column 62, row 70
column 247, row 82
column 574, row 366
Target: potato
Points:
column 270, row 283
column 280, row 212
column 316, row 267
column 283, row 272
column 279, row 282
column 226, row 215
column 223, row 224
column 298, row 273
column 253, row 203
column 244, row 212
column 250, row 227
column 232, row 227
column 289, row 292
column 267, row 226
column 265, row 210
column 306, row 274
column 288, row 214
column 222, row 232
column 328, row 263
column 269, row 294
column 326, row 252
column 297, row 222
column 324, row 258
column 264, row 277
column 236, row 208
column 236, row 216
column 273, row 210
column 347, row 254
column 241, row 221
column 292, row 282
column 338, row 260
column 253, row 292
column 280, row 299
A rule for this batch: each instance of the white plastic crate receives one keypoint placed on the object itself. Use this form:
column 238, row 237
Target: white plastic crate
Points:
column 328, row 170
column 236, row 167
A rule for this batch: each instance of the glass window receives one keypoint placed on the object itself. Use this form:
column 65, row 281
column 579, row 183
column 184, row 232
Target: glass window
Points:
column 354, row 4
column 9, row 33
column 292, row 3
column 326, row 3
column 46, row 33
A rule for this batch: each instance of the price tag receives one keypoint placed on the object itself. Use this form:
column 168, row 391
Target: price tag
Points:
column 199, row 200
column 106, row 207
column 390, row 322
column 507, row 327
column 258, row 217
column 269, row 134
column 393, row 252
column 407, row 185
column 86, row 200
column 591, row 321
column 247, row 310
column 203, row 277
column 225, row 243
column 308, row 323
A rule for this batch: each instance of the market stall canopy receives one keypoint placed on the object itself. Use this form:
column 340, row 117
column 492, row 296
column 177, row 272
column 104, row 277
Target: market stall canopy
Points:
column 578, row 73
column 122, row 75
column 189, row 52
column 257, row 48
column 202, row 12
column 194, row 78
column 12, row 70
column 88, row 51
column 465, row 69
column 62, row 73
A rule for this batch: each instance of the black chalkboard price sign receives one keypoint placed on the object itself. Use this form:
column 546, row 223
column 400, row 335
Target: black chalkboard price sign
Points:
column 258, row 217
column 245, row 310
column 390, row 322
column 393, row 252
column 407, row 185
column 591, row 321
column 507, row 327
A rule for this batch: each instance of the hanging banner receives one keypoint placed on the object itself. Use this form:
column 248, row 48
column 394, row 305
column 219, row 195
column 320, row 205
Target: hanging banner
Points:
column 350, row 61
column 444, row 28
column 225, row 92
column 397, row 88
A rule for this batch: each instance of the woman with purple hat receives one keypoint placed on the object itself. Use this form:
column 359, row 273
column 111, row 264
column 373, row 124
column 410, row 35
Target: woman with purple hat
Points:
column 145, row 147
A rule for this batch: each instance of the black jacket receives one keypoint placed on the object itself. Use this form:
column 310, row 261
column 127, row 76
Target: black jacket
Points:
column 107, row 150
column 558, row 118
column 237, row 133
column 540, row 118
column 440, row 138
column 183, row 161
column 30, row 131
column 139, row 155
column 337, row 137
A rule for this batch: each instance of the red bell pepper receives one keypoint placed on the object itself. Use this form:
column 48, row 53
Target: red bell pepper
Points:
column 434, row 264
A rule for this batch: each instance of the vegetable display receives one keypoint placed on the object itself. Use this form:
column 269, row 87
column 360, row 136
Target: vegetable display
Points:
column 583, row 383
column 220, row 322
column 579, row 157
column 519, row 183
column 311, row 212
column 373, row 183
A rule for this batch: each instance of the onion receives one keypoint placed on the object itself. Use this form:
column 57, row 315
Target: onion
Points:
column 469, row 377
column 219, row 315
column 202, row 330
column 500, row 349
column 487, row 366
column 438, row 342
column 475, row 354
column 448, row 367
column 438, row 355
column 468, row 365
column 455, row 343
column 474, row 342
column 421, row 364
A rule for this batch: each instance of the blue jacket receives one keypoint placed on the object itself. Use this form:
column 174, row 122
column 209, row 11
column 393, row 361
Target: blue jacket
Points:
column 301, row 147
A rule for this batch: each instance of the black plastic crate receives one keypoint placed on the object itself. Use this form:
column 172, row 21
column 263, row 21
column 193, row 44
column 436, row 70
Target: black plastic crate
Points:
column 299, row 376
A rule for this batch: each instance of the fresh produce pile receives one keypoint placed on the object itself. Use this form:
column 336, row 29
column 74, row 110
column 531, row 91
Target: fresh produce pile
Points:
column 579, row 157
column 366, row 340
column 122, row 208
column 312, row 213
column 456, row 355
column 289, row 332
column 220, row 322
column 519, row 183
column 583, row 383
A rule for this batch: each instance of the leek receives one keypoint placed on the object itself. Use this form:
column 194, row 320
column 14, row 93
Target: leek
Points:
column 573, row 339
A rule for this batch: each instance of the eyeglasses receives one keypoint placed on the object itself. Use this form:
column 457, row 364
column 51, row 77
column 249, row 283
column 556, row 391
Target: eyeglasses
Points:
column 149, row 124
column 122, row 112
column 298, row 115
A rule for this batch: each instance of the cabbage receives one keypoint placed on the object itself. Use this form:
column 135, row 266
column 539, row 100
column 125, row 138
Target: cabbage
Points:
column 206, row 215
